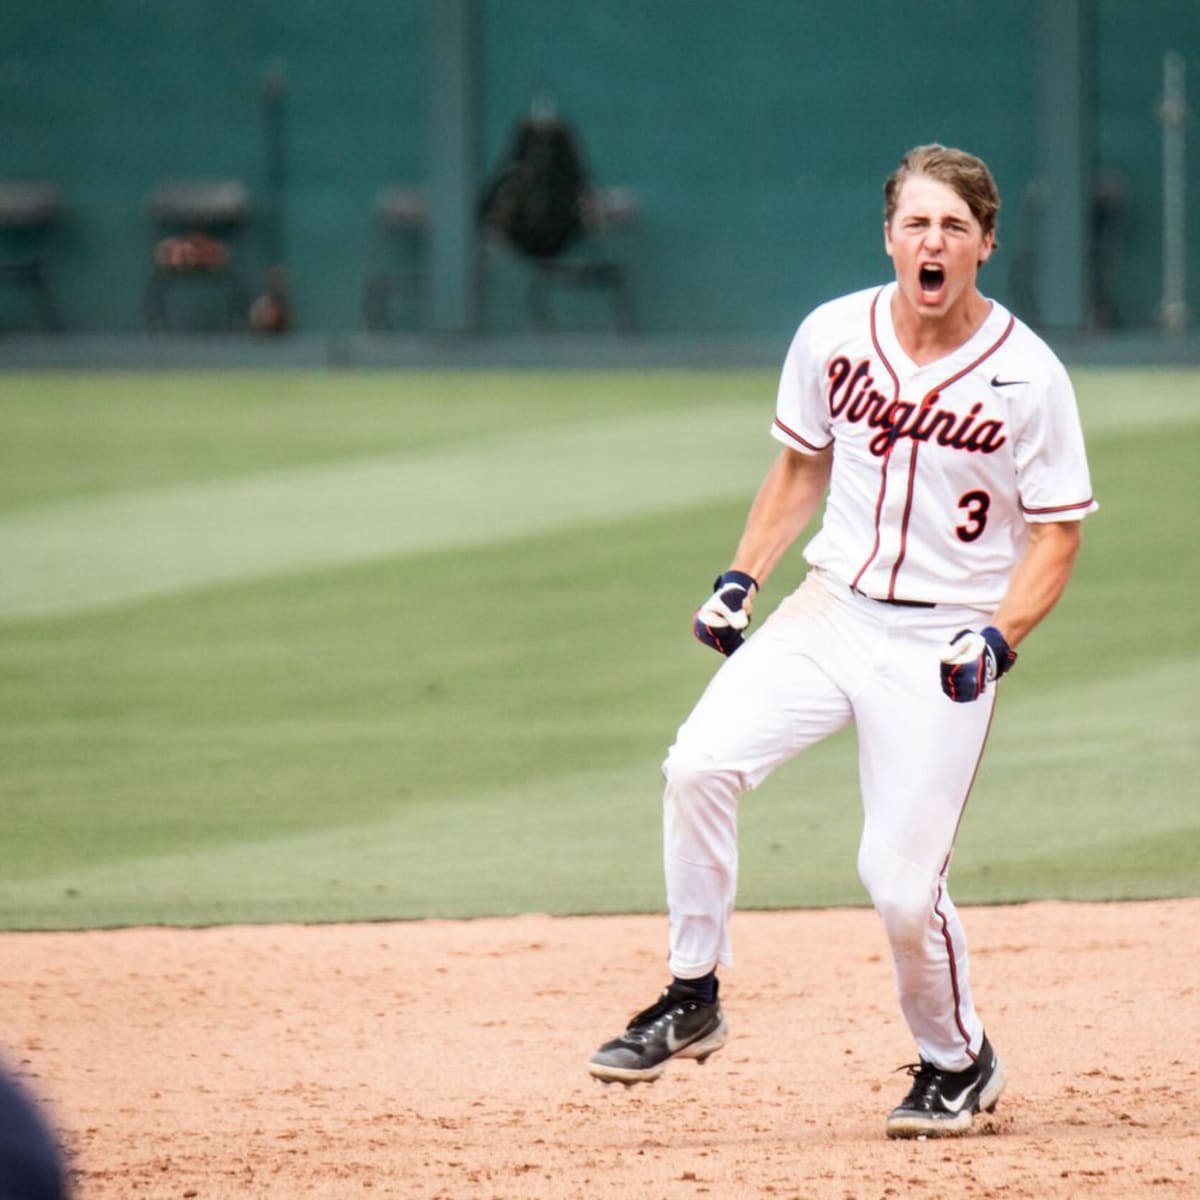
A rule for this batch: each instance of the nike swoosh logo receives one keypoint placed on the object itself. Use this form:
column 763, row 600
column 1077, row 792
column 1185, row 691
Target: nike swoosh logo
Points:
column 673, row 1043
column 998, row 382
column 956, row 1104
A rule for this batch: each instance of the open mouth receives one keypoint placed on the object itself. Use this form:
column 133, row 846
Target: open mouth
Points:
column 931, row 277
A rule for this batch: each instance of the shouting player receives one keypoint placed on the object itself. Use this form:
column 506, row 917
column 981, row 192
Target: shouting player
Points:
column 947, row 436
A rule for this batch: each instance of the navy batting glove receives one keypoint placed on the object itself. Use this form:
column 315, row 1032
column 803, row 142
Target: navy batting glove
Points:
column 973, row 660
column 722, row 620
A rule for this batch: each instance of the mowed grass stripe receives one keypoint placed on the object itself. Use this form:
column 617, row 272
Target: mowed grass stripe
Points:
column 436, row 857
column 485, row 850
column 1116, row 400
column 76, row 435
column 106, row 551
column 483, row 724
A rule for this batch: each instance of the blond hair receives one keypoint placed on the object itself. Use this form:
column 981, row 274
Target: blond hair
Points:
column 964, row 174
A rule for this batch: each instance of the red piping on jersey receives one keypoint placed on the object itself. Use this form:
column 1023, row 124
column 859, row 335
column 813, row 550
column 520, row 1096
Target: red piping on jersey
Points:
column 887, row 454
column 908, row 499
column 793, row 434
column 929, row 399
column 1060, row 508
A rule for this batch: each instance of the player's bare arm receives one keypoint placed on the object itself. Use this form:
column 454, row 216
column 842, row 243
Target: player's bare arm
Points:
column 1038, row 579
column 972, row 660
column 787, row 501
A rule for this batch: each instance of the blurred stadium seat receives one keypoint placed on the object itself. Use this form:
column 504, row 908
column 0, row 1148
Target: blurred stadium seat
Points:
column 394, row 296
column 197, row 222
column 401, row 219
column 594, row 265
column 29, row 210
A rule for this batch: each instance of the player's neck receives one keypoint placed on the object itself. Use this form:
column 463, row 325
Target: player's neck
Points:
column 925, row 338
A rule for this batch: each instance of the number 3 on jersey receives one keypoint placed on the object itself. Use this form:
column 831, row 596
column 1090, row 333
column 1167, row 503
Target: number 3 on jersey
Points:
column 976, row 505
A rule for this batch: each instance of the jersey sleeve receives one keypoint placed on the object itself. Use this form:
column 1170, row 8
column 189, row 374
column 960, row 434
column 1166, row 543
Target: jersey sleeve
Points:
column 1053, row 481
column 801, row 412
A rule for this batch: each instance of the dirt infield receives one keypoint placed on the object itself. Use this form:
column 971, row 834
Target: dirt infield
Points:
column 445, row 1060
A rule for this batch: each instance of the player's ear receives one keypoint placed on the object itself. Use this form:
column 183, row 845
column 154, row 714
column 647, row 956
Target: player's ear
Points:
column 887, row 239
column 989, row 244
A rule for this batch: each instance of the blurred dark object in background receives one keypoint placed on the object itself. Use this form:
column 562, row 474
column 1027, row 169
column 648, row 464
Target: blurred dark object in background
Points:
column 604, row 210
column 1109, row 213
column 401, row 218
column 29, row 210
column 272, row 311
column 1107, row 231
column 535, row 197
column 198, row 221
column 542, row 204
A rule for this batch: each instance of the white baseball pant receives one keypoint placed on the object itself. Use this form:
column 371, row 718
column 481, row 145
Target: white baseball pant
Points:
column 825, row 657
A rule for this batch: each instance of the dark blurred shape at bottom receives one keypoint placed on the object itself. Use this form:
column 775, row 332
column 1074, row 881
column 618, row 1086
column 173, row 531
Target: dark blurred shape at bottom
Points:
column 31, row 1163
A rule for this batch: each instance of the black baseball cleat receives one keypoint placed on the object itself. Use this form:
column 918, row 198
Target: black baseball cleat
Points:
column 944, row 1103
column 678, row 1025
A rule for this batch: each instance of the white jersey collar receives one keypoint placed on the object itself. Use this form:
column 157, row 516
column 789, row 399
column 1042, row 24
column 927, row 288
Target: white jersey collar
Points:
column 976, row 346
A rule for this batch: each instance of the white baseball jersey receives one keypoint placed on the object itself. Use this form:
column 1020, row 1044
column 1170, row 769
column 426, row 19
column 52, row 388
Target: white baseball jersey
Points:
column 936, row 468
column 937, row 471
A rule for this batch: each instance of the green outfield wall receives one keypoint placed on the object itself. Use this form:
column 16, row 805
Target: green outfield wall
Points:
column 755, row 136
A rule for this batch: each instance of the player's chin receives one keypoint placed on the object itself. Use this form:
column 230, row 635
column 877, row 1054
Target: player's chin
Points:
column 933, row 299
column 932, row 304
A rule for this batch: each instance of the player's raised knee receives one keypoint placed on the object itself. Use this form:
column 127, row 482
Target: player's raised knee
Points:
column 691, row 771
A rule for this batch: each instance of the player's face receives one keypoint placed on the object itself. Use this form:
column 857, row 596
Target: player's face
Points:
column 936, row 246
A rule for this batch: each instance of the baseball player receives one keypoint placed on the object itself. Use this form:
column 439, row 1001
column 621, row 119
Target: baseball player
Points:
column 944, row 437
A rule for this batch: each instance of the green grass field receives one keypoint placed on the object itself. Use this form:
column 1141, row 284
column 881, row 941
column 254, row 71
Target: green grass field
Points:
column 314, row 647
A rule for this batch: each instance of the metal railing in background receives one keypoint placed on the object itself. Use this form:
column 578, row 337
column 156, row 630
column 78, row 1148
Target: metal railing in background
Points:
column 1173, row 114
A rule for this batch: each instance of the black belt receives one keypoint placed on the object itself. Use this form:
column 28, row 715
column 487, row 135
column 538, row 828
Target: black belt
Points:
column 896, row 603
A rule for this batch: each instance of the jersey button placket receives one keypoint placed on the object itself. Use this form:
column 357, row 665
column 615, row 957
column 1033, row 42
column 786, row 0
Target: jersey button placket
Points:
column 921, row 384
column 891, row 516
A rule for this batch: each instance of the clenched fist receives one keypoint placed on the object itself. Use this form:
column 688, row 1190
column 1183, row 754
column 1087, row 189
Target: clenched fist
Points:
column 973, row 660
column 722, row 620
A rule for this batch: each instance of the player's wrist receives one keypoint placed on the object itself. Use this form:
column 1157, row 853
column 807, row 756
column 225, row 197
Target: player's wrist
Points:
column 1005, row 655
column 739, row 578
